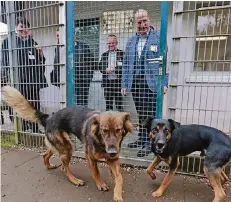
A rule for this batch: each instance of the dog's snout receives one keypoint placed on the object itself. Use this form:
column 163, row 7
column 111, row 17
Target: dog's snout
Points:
column 160, row 145
column 112, row 150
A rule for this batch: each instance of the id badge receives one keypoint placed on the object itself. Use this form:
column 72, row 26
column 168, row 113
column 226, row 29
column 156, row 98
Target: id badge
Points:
column 154, row 48
column 119, row 63
column 31, row 57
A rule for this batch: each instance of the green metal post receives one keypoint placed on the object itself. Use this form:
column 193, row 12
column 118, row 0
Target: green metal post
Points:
column 163, row 48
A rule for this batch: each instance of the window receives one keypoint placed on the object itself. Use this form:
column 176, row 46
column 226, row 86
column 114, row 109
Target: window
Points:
column 213, row 39
column 117, row 22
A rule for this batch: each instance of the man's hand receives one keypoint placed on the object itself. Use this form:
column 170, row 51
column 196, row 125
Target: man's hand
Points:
column 29, row 33
column 123, row 91
column 108, row 70
column 165, row 89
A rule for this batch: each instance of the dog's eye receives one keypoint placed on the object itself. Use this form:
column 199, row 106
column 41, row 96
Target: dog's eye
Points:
column 166, row 130
column 118, row 130
column 105, row 130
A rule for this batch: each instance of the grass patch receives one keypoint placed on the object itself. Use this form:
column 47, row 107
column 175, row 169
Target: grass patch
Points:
column 7, row 140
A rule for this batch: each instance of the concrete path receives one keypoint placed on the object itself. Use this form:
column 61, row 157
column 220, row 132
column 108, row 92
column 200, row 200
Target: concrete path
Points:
column 25, row 179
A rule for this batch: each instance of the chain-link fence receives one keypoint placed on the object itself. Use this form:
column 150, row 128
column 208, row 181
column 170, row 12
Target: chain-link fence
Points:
column 102, row 35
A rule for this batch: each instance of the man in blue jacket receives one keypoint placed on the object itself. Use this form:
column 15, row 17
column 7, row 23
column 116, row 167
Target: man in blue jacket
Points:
column 140, row 75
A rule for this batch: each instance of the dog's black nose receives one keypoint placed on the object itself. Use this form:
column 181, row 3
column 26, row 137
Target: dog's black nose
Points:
column 160, row 145
column 113, row 155
column 112, row 151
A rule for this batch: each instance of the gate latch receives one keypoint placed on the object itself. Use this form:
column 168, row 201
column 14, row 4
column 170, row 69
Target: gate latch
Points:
column 156, row 60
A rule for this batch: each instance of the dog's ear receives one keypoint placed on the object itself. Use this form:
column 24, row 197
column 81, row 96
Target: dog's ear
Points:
column 174, row 124
column 148, row 123
column 94, row 124
column 128, row 126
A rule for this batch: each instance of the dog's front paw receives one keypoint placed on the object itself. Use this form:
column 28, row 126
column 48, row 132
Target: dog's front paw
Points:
column 118, row 198
column 102, row 187
column 78, row 182
column 157, row 194
column 152, row 174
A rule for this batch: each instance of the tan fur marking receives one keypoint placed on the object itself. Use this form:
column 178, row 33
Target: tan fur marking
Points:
column 166, row 181
column 67, row 138
column 115, row 169
column 215, row 181
column 46, row 157
column 152, row 166
column 92, row 163
column 169, row 136
column 151, row 135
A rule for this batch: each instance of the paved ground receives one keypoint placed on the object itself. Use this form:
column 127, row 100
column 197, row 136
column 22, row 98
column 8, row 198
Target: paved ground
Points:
column 24, row 178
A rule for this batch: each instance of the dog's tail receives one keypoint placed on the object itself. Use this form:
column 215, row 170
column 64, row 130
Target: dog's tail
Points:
column 22, row 106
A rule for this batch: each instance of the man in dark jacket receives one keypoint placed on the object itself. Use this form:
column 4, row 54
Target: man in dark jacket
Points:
column 111, row 67
column 30, row 66
column 84, row 65
column 83, row 71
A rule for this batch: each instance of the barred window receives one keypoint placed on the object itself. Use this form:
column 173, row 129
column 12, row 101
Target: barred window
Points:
column 213, row 37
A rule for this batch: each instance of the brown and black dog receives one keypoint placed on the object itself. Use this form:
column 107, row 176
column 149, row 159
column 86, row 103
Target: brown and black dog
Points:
column 102, row 133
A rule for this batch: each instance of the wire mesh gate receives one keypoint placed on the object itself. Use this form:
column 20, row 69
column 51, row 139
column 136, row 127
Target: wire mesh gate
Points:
column 32, row 60
column 101, row 36
column 198, row 60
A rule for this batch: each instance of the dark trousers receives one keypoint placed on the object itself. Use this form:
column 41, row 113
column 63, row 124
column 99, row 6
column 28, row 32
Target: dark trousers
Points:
column 82, row 92
column 31, row 93
column 145, row 103
column 112, row 91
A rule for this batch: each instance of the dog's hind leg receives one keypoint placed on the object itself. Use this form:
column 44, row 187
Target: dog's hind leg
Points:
column 63, row 145
column 47, row 155
column 65, row 158
column 96, row 175
column 65, row 153
column 172, row 170
column 215, row 181
column 115, row 168
column 151, row 167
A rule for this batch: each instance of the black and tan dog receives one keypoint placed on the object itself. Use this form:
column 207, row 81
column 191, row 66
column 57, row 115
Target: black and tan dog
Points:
column 170, row 140
column 102, row 133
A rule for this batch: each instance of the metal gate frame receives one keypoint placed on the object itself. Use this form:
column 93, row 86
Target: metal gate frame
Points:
column 176, row 66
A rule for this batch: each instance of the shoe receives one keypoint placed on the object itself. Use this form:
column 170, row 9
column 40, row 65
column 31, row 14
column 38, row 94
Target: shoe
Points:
column 135, row 144
column 145, row 151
